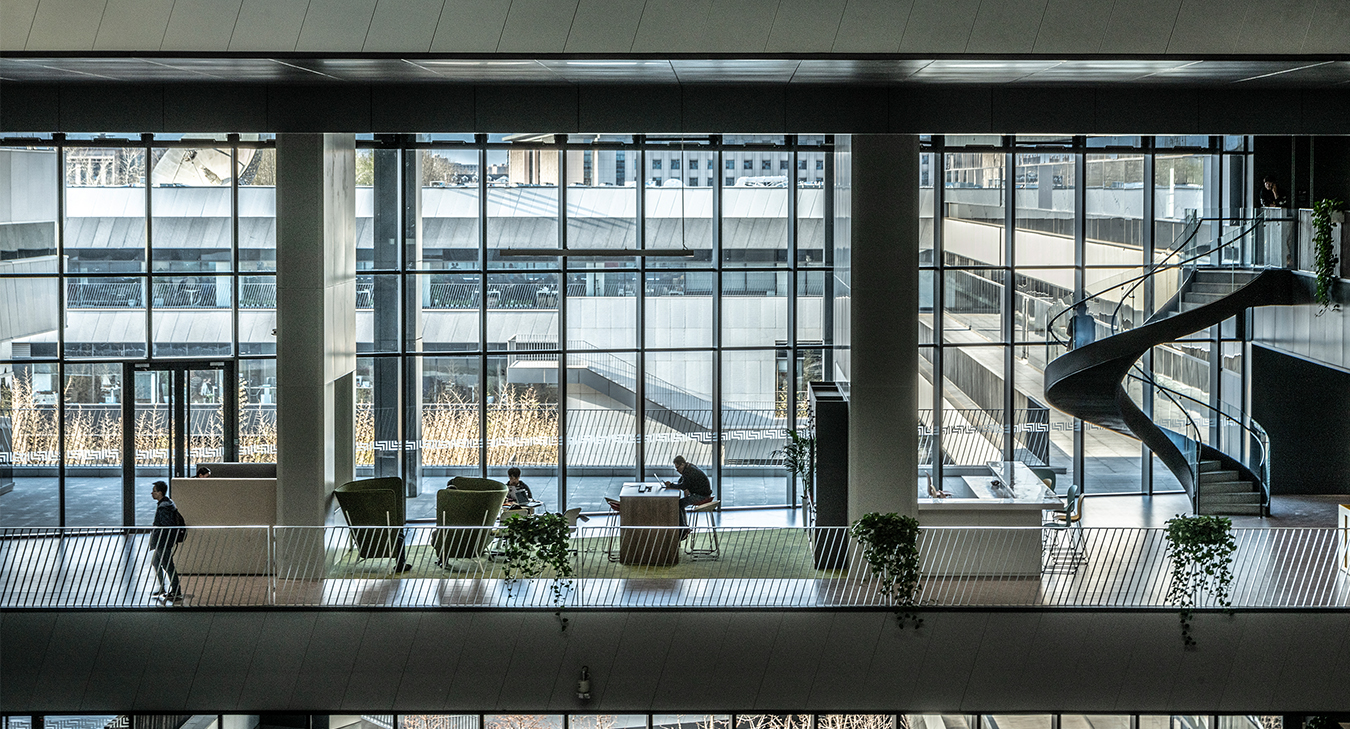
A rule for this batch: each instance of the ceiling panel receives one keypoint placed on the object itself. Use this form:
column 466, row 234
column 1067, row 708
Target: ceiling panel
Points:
column 1220, row 71
column 821, row 71
column 201, row 25
column 521, row 71
column 133, row 25
column 1100, row 71
column 735, row 71
column 989, row 72
column 318, row 69
column 16, row 18
column 647, row 72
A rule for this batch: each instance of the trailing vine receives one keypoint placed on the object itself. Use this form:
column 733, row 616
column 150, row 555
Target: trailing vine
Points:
column 1320, row 722
column 1325, row 262
column 891, row 547
column 1201, row 551
column 534, row 544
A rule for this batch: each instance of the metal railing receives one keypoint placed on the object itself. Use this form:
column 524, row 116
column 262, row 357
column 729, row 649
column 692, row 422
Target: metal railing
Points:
column 616, row 567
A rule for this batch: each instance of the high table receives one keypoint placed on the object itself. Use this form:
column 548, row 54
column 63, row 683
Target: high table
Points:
column 1017, row 501
column 649, row 505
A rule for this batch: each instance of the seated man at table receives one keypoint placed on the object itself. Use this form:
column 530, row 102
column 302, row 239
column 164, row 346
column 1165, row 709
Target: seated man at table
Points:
column 517, row 492
column 694, row 483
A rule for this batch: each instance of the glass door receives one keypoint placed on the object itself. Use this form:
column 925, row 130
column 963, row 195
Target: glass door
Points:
column 175, row 416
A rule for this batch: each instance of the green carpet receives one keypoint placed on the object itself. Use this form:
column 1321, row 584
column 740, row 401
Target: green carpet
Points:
column 745, row 553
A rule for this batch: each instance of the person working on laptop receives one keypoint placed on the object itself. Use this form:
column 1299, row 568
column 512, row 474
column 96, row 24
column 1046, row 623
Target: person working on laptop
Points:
column 694, row 483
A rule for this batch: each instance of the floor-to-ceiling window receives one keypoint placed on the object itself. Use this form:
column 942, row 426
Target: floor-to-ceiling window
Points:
column 684, row 319
column 1014, row 232
column 141, row 249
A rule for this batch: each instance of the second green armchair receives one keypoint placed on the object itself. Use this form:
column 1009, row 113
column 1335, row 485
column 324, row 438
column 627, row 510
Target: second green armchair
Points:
column 466, row 502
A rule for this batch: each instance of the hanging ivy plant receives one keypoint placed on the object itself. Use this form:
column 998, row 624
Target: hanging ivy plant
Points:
column 1201, row 550
column 891, row 548
column 535, row 544
column 1325, row 262
column 1320, row 722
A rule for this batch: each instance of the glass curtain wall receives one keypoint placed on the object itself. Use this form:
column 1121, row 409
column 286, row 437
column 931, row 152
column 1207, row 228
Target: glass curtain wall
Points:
column 147, row 248
column 1014, row 231
column 586, row 371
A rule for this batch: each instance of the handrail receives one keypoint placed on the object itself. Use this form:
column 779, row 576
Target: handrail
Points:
column 1192, row 458
column 1259, row 433
column 821, row 567
column 1153, row 269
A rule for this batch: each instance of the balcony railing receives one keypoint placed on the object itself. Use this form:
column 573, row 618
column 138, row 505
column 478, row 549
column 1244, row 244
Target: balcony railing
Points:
column 758, row 567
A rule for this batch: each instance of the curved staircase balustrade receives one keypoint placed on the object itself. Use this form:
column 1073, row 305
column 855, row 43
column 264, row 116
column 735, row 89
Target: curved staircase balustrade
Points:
column 1088, row 382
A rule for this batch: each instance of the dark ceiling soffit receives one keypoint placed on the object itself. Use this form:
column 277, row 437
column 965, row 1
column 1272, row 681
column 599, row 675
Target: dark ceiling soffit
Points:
column 352, row 55
column 765, row 109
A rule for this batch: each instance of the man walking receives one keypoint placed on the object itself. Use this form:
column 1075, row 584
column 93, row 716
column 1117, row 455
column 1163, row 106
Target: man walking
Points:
column 163, row 541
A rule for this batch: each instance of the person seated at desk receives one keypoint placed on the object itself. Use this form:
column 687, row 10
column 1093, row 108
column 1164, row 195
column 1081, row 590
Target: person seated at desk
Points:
column 694, row 483
column 518, row 494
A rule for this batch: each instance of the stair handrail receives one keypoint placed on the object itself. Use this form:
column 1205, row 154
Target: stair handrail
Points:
column 1257, row 220
column 1255, row 429
column 1192, row 450
column 1192, row 229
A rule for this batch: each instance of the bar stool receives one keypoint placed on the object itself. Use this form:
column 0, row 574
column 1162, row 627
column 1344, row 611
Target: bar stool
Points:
column 701, row 523
column 613, row 529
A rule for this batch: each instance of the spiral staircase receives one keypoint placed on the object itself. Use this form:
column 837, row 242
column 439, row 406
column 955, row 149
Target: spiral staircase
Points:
column 1209, row 283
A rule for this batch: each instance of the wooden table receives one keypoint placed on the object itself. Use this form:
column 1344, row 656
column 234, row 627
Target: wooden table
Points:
column 649, row 505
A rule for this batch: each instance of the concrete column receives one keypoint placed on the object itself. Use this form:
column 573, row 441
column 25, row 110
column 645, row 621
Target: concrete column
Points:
column 316, row 322
column 883, row 320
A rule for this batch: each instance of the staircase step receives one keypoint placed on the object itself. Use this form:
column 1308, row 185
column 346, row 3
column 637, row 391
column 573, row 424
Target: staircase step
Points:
column 1197, row 298
column 1230, row 510
column 1249, row 497
column 1221, row 289
column 1206, row 466
column 1218, row 475
column 1226, row 487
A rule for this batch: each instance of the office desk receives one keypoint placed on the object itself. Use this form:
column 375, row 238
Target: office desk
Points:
column 658, row 507
column 1018, row 502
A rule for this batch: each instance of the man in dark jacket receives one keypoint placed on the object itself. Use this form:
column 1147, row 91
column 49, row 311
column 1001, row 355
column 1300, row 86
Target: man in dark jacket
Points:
column 694, row 483
column 163, row 541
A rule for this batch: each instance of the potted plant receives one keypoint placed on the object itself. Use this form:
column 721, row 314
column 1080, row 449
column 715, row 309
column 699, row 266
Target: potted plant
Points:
column 798, row 456
column 534, row 544
column 891, row 548
column 1201, row 552
column 1326, row 263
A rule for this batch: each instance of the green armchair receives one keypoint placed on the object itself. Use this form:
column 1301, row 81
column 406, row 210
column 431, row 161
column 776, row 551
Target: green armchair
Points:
column 375, row 509
column 466, row 502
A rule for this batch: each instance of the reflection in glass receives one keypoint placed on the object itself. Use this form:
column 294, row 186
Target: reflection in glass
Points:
column 448, row 318
column 105, row 210
column 754, row 308
column 257, row 209
column 679, row 421
column 522, row 205
column 522, row 311
column 972, row 231
column 522, row 420
column 449, row 411
column 755, row 210
column 191, row 201
column 105, row 317
column 30, row 445
column 679, row 309
column 601, row 426
column 602, row 310
column 755, row 402
column 1045, row 208
column 449, row 224
column 190, row 316
column 257, row 411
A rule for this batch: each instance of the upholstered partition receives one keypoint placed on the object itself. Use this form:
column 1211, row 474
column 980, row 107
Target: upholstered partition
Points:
column 225, row 502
